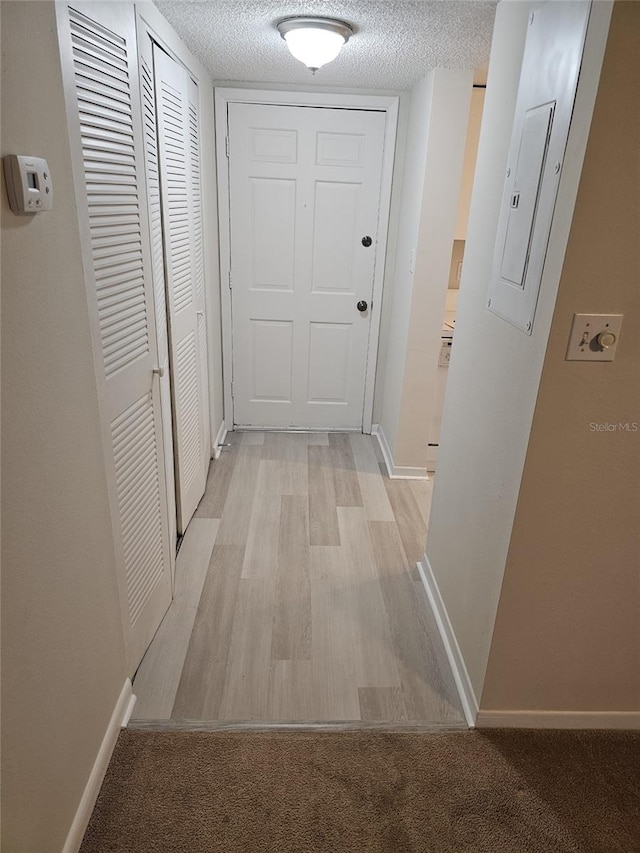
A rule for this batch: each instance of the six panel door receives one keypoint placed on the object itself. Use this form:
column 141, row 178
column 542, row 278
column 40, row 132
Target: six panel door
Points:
column 304, row 192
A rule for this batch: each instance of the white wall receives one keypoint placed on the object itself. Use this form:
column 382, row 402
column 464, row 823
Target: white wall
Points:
column 63, row 653
column 384, row 339
column 469, row 166
column 399, row 286
column 495, row 369
column 436, row 135
column 445, row 156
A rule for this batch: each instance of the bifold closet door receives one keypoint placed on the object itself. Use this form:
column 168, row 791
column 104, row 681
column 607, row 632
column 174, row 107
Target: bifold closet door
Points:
column 100, row 68
column 177, row 115
column 147, row 90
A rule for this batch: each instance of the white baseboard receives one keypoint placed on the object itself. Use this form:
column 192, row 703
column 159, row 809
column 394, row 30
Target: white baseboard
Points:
column 124, row 722
column 558, row 720
column 454, row 655
column 219, row 440
column 487, row 719
column 395, row 472
column 378, row 433
column 119, row 718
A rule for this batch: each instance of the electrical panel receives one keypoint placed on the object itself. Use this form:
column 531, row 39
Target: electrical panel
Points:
column 546, row 94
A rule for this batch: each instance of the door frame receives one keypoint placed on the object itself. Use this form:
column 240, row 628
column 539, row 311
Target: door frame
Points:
column 377, row 103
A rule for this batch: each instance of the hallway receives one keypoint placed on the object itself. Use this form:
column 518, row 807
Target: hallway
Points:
column 297, row 598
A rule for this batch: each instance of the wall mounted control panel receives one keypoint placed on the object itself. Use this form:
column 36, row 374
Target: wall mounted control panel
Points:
column 28, row 181
column 544, row 106
column 445, row 354
column 594, row 337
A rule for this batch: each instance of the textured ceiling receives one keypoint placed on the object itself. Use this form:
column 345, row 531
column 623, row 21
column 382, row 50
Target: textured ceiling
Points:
column 395, row 43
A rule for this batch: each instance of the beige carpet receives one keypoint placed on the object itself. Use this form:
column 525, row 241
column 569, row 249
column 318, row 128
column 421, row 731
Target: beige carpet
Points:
column 280, row 792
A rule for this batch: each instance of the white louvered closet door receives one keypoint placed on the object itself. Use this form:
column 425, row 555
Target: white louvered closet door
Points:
column 180, row 183
column 147, row 89
column 99, row 62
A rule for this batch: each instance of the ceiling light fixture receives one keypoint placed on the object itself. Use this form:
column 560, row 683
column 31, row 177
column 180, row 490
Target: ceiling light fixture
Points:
column 314, row 41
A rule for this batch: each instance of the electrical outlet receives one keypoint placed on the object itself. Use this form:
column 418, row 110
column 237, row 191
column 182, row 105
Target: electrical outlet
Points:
column 594, row 337
column 445, row 354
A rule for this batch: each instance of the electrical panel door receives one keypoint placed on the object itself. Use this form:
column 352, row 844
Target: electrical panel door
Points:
column 546, row 94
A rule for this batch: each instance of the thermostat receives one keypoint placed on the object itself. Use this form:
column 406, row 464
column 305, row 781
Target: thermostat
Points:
column 28, row 183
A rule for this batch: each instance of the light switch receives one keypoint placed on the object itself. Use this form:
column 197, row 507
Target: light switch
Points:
column 594, row 337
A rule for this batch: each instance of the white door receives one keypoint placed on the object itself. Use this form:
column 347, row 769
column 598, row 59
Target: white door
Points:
column 147, row 91
column 304, row 188
column 99, row 63
column 181, row 197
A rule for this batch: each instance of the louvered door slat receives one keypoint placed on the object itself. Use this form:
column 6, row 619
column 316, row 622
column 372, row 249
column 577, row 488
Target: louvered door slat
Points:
column 128, row 260
column 100, row 155
column 110, row 226
column 99, row 104
column 189, row 424
column 119, row 313
column 107, row 62
column 113, row 67
column 89, row 85
column 118, row 135
column 119, row 182
column 174, row 139
column 121, row 346
column 92, row 30
column 103, row 126
column 90, row 50
column 116, row 172
column 100, row 65
column 121, row 308
column 91, row 72
column 141, row 469
column 196, row 196
column 107, row 111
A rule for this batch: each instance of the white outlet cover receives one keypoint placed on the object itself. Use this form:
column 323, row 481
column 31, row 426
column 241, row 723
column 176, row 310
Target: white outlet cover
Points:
column 445, row 354
column 583, row 340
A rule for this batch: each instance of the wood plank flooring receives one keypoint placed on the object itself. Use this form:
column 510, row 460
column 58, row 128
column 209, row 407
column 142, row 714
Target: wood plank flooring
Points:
column 297, row 598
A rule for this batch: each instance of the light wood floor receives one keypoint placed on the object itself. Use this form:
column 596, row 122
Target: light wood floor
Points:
column 297, row 598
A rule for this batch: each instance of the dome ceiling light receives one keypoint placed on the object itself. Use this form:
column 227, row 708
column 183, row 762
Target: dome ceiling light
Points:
column 314, row 41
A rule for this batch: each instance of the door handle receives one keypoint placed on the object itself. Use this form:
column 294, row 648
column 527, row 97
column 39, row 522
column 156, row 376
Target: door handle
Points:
column 362, row 306
column 158, row 371
column 367, row 241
